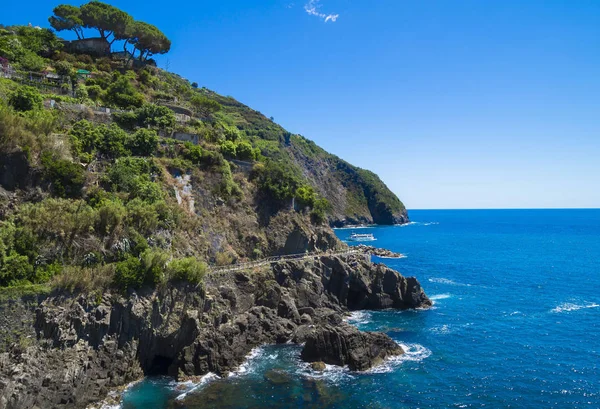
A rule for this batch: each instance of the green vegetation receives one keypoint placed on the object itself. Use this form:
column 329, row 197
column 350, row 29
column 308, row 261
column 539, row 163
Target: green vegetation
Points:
column 112, row 24
column 100, row 199
column 25, row 99
column 66, row 178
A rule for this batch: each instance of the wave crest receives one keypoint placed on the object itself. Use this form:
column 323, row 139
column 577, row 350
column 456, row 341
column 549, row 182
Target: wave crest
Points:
column 437, row 297
column 192, row 387
column 568, row 307
column 442, row 280
column 359, row 318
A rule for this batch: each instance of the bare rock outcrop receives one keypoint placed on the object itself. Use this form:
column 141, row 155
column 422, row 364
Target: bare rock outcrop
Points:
column 84, row 347
column 346, row 345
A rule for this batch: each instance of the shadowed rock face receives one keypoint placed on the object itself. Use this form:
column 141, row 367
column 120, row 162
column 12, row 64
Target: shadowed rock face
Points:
column 84, row 348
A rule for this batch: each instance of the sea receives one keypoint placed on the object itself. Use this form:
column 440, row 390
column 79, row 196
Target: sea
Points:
column 515, row 324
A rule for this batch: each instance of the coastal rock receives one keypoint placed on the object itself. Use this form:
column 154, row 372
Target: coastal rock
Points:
column 346, row 345
column 78, row 348
column 374, row 251
column 318, row 366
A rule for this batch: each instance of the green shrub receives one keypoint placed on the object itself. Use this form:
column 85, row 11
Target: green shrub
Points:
column 228, row 149
column 66, row 178
column 231, row 133
column 155, row 116
column 57, row 219
column 85, row 138
column 113, row 141
column 134, row 176
column 244, row 151
column 320, row 208
column 129, row 274
column 275, row 180
column 121, row 93
column 144, row 142
column 199, row 156
column 111, row 216
column 142, row 216
column 127, row 120
column 305, row 196
column 154, row 264
column 32, row 62
column 81, row 92
column 63, row 68
column 26, row 98
column 204, row 106
column 95, row 92
column 15, row 269
column 135, row 272
column 186, row 269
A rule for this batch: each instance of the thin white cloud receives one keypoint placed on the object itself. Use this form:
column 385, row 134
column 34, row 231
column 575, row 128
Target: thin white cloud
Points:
column 312, row 8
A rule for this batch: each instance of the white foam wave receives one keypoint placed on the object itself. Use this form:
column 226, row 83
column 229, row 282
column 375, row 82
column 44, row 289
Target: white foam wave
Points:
column 441, row 329
column 191, row 386
column 331, row 373
column 412, row 353
column 437, row 297
column 567, row 307
column 447, row 281
column 246, row 367
column 359, row 318
column 418, row 224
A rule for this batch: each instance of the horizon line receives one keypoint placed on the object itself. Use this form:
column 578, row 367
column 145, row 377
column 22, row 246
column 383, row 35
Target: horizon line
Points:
column 507, row 208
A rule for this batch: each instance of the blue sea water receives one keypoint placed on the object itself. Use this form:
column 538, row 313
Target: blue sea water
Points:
column 515, row 324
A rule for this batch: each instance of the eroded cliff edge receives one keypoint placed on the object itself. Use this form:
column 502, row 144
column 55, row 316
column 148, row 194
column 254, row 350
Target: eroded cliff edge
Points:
column 81, row 347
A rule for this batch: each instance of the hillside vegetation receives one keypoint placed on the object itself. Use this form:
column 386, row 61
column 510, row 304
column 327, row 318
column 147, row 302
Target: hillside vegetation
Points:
column 170, row 178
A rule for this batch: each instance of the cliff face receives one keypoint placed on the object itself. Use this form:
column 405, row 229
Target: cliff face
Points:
column 79, row 348
column 357, row 196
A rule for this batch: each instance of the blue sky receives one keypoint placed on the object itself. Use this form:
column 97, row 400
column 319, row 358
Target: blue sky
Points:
column 455, row 104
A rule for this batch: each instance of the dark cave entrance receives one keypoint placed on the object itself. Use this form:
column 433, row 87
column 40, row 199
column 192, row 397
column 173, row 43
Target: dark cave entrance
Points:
column 159, row 366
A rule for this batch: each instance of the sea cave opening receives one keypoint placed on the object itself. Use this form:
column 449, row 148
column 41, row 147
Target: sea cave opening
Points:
column 159, row 366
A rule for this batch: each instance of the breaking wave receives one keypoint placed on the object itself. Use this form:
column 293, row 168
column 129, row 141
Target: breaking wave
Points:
column 568, row 307
column 437, row 297
column 192, row 387
column 359, row 318
column 442, row 280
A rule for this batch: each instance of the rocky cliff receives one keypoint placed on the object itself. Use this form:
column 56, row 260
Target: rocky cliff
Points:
column 78, row 348
column 357, row 196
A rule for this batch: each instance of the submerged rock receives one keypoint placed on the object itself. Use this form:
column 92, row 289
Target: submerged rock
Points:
column 277, row 377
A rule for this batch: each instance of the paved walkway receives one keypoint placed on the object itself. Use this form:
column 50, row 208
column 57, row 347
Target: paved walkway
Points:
column 271, row 260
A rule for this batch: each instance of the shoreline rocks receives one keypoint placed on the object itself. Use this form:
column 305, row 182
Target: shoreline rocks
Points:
column 379, row 252
column 346, row 345
column 85, row 347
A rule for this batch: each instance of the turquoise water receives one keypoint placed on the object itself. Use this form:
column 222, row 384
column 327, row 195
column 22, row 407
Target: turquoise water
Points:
column 515, row 324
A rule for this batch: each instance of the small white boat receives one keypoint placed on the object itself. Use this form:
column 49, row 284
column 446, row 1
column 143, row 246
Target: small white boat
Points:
column 361, row 237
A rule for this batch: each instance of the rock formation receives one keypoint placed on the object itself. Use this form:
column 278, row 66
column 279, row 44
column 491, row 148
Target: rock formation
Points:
column 85, row 346
column 346, row 345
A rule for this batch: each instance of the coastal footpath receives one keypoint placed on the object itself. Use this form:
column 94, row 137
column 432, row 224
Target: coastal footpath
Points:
column 77, row 348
